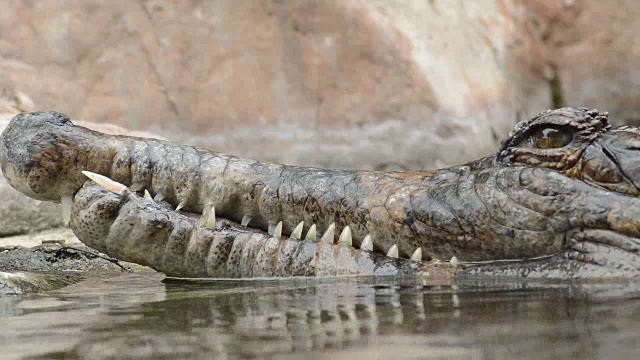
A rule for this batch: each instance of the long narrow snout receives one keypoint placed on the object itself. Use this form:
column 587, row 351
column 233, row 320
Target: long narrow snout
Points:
column 42, row 153
column 27, row 153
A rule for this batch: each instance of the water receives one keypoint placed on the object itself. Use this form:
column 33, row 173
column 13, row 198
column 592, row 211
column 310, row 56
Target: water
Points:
column 144, row 316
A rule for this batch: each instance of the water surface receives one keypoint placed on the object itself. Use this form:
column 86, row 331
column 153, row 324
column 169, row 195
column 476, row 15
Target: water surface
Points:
column 147, row 316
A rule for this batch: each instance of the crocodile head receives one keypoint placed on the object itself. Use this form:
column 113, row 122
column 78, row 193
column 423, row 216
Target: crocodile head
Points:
column 580, row 144
column 583, row 176
column 563, row 183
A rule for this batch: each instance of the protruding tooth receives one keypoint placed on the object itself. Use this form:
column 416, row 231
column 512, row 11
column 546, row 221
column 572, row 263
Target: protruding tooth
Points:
column 311, row 234
column 277, row 232
column 454, row 261
column 417, row 255
column 297, row 232
column 345, row 236
column 208, row 217
column 211, row 218
column 367, row 243
column 105, row 182
column 159, row 197
column 147, row 195
column 328, row 235
column 245, row 220
column 66, row 201
column 181, row 205
column 393, row 251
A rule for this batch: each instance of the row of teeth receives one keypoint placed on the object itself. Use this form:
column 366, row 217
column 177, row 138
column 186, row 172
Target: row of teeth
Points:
column 208, row 219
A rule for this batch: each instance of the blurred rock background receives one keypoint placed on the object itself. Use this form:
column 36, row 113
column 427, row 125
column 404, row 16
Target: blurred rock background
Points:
column 372, row 84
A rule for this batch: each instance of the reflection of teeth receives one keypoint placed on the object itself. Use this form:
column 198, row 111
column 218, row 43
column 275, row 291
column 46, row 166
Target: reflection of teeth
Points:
column 345, row 236
column 277, row 232
column 159, row 197
column 393, row 251
column 147, row 195
column 417, row 255
column 105, row 182
column 367, row 243
column 66, row 201
column 208, row 217
column 328, row 235
column 297, row 232
column 245, row 220
column 180, row 206
column 311, row 234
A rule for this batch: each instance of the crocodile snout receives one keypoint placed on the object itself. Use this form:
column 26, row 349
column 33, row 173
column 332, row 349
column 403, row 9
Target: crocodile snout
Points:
column 29, row 153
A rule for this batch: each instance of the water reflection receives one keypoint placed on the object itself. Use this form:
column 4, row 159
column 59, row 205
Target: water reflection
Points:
column 141, row 316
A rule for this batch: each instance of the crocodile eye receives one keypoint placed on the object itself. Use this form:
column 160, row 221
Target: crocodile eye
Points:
column 550, row 138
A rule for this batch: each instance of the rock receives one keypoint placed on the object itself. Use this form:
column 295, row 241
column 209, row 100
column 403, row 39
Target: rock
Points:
column 56, row 258
column 20, row 214
column 356, row 84
column 59, row 235
column 594, row 48
column 53, row 265
column 20, row 283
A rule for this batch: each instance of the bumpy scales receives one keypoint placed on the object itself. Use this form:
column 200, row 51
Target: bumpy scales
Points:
column 559, row 199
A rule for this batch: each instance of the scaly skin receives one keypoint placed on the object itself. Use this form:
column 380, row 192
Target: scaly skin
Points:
column 173, row 243
column 576, row 203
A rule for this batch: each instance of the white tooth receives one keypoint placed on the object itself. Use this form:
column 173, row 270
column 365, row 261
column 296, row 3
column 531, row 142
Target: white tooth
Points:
column 454, row 261
column 393, row 251
column 208, row 217
column 311, row 234
column 367, row 243
column 211, row 218
column 345, row 236
column 417, row 255
column 105, row 182
column 66, row 201
column 297, row 232
column 159, row 197
column 277, row 232
column 245, row 220
column 146, row 194
column 328, row 235
column 180, row 206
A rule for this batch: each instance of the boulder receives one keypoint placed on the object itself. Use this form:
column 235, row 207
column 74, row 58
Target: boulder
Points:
column 593, row 50
column 371, row 84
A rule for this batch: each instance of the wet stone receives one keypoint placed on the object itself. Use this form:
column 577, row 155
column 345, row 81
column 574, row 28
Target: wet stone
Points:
column 50, row 266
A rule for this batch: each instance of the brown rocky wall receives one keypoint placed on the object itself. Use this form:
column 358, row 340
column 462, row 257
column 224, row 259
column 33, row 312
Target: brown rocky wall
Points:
column 339, row 83
column 594, row 47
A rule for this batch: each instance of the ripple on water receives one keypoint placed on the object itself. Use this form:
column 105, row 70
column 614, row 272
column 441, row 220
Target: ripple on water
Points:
column 142, row 316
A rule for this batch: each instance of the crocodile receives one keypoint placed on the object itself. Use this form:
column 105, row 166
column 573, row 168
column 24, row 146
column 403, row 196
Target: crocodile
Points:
column 559, row 199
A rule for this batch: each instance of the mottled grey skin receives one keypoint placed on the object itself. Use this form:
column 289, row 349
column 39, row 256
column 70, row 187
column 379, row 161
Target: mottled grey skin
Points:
column 173, row 243
column 576, row 204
